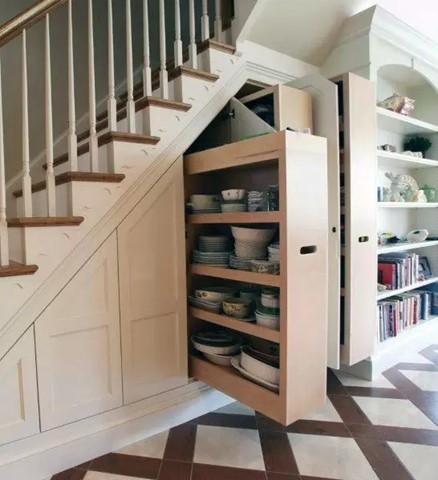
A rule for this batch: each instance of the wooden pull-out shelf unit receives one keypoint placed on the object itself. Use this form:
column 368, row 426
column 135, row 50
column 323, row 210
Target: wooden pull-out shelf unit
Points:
column 298, row 163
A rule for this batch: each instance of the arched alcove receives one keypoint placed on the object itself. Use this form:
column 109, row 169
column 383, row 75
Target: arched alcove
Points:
column 409, row 82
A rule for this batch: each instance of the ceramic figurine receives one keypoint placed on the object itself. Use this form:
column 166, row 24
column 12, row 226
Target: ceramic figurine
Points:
column 420, row 197
column 403, row 187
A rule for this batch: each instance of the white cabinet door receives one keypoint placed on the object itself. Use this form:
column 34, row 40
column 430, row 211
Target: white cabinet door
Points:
column 325, row 124
column 153, row 291
column 78, row 344
column 18, row 391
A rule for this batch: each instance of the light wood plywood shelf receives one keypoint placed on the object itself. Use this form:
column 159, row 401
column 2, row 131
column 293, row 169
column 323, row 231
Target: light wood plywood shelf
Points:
column 392, row 293
column 406, row 205
column 236, row 324
column 402, row 124
column 237, row 275
column 243, row 217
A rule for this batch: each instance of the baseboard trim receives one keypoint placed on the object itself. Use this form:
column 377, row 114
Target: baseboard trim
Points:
column 41, row 456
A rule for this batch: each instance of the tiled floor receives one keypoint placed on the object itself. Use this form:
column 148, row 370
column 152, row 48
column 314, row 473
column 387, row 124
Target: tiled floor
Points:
column 387, row 430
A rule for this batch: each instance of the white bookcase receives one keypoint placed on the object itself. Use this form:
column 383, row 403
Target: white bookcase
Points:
column 400, row 218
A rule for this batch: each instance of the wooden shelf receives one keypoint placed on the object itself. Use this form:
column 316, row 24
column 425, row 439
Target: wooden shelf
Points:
column 235, row 324
column 406, row 205
column 243, row 217
column 237, row 275
column 402, row 124
column 392, row 293
column 398, row 160
column 402, row 247
column 229, row 381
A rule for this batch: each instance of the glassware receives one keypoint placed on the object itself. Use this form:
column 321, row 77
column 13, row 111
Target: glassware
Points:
column 430, row 193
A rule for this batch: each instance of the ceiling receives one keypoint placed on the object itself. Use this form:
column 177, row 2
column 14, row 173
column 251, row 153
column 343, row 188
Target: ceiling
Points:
column 312, row 26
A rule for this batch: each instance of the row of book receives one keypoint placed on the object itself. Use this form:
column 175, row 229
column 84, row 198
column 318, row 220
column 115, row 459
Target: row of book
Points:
column 403, row 311
column 398, row 270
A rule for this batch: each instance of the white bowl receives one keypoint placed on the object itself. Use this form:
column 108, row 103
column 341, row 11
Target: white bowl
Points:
column 255, row 235
column 223, row 360
column 270, row 302
column 268, row 321
column 216, row 350
column 259, row 368
column 234, row 194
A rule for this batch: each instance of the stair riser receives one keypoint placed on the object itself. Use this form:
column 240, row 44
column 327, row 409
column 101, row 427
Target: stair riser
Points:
column 216, row 61
column 157, row 120
column 189, row 89
column 39, row 202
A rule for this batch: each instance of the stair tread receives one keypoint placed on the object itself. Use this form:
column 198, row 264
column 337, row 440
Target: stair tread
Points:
column 44, row 221
column 14, row 269
column 214, row 44
column 75, row 177
column 106, row 138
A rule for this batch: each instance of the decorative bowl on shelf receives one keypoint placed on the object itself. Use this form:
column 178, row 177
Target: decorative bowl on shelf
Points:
column 265, row 266
column 216, row 343
column 234, row 194
column 214, row 294
column 261, row 236
column 398, row 103
column 222, row 360
column 237, row 307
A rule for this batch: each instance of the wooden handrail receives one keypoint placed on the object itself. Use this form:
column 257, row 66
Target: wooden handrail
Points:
column 13, row 27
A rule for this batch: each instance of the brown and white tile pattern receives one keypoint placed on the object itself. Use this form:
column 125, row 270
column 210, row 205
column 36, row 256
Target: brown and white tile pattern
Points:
column 381, row 430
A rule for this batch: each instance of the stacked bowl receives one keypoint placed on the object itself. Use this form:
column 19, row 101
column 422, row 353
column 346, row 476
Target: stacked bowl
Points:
column 274, row 252
column 251, row 243
column 219, row 347
column 205, row 203
column 268, row 311
column 257, row 201
column 210, row 298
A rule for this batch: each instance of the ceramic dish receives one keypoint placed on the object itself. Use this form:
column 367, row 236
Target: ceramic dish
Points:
column 235, row 362
column 209, row 306
column 234, row 194
column 216, row 350
column 253, row 235
column 222, row 360
column 256, row 363
column 270, row 302
column 265, row 266
column 237, row 307
column 214, row 294
column 233, row 208
column 216, row 337
column 268, row 321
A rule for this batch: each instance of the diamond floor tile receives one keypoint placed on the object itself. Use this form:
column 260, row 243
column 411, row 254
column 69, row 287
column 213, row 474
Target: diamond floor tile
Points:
column 427, row 381
column 420, row 460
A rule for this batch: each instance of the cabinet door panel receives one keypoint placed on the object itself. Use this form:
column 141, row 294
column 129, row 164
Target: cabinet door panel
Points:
column 78, row 344
column 18, row 391
column 153, row 291
column 325, row 124
column 360, row 164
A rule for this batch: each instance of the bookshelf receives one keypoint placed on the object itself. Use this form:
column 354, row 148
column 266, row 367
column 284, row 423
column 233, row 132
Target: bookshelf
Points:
column 400, row 218
column 293, row 161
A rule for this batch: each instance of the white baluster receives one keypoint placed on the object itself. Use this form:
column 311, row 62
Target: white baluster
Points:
column 112, row 103
column 147, row 74
column 26, row 182
column 205, row 21
column 50, row 174
column 4, row 247
column 218, row 21
column 178, row 43
column 164, row 80
column 72, row 138
column 130, row 105
column 94, row 149
column 193, row 51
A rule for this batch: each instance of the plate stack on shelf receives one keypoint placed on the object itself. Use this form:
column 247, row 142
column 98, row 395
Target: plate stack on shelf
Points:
column 213, row 250
column 217, row 346
column 234, row 201
column 268, row 311
column 205, row 203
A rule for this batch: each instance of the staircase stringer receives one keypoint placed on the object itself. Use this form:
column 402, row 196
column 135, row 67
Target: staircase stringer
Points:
column 165, row 155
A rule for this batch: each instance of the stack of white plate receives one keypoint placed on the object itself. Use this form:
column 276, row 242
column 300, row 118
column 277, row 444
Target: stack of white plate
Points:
column 265, row 318
column 233, row 207
column 218, row 347
column 212, row 258
column 210, row 306
column 214, row 243
column 274, row 252
column 250, row 243
column 205, row 203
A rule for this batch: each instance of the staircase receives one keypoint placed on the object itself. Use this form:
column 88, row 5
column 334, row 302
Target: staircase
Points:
column 67, row 201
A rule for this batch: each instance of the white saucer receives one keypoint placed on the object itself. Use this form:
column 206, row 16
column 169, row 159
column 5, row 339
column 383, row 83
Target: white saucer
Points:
column 235, row 362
